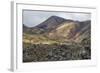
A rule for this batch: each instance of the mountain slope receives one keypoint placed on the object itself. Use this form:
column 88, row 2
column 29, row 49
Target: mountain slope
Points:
column 51, row 23
column 72, row 31
column 60, row 29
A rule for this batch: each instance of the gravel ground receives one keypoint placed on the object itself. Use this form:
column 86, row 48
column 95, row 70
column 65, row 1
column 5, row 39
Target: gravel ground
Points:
column 54, row 52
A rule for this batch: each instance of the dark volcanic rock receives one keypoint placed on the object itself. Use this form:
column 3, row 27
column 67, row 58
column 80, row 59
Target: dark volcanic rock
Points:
column 46, row 52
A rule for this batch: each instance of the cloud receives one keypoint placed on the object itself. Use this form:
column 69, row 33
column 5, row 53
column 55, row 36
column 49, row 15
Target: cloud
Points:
column 33, row 18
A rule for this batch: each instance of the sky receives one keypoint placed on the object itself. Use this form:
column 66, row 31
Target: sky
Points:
column 33, row 18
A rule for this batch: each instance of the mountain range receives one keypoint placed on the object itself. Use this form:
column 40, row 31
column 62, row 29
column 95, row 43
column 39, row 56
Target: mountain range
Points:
column 58, row 29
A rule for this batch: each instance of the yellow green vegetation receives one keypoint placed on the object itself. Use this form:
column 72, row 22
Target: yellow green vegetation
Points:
column 38, row 39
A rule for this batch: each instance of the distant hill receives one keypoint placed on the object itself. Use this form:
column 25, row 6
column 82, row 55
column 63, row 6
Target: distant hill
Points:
column 57, row 28
column 51, row 23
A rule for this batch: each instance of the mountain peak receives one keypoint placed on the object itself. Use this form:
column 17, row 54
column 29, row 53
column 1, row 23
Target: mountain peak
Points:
column 51, row 23
column 56, row 17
